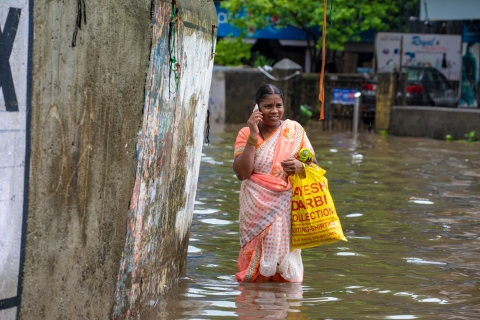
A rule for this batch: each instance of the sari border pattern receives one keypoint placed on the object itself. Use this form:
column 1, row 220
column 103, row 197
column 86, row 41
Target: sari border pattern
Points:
column 255, row 262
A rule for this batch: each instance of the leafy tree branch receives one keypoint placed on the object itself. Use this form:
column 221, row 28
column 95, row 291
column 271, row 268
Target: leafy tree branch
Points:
column 349, row 18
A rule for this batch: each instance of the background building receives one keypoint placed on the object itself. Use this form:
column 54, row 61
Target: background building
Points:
column 279, row 43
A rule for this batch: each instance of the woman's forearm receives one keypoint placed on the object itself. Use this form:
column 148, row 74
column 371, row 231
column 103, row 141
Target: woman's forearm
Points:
column 243, row 163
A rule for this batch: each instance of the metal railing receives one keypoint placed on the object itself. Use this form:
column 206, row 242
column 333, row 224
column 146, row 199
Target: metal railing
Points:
column 338, row 116
column 428, row 91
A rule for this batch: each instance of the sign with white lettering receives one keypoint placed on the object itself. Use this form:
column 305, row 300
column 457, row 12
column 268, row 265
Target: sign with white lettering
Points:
column 439, row 51
column 14, row 105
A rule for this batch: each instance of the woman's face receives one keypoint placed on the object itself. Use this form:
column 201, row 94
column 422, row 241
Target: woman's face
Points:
column 272, row 109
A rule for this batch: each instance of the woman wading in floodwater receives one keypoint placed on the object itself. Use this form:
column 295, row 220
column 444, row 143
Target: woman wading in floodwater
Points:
column 264, row 157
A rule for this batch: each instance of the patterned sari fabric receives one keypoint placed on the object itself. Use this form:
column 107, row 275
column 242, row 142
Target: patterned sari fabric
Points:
column 265, row 200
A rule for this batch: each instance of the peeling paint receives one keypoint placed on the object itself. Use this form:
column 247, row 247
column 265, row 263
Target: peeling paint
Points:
column 168, row 154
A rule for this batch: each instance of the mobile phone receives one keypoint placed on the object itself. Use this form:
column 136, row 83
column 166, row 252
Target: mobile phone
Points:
column 255, row 109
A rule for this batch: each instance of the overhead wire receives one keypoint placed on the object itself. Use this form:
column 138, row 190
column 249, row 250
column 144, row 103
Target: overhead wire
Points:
column 321, row 95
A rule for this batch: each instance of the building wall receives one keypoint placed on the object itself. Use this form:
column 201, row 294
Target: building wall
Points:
column 448, row 10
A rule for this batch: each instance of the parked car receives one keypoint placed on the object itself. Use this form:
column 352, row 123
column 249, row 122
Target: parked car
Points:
column 426, row 86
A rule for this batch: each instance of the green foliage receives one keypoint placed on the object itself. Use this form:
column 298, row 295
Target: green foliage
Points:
column 232, row 51
column 348, row 17
column 406, row 9
column 259, row 61
column 471, row 136
column 383, row 133
column 235, row 52
column 305, row 114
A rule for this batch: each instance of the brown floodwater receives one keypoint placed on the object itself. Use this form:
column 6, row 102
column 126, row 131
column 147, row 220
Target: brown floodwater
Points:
column 409, row 207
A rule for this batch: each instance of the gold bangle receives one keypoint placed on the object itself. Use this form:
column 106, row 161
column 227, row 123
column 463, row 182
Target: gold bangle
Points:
column 252, row 141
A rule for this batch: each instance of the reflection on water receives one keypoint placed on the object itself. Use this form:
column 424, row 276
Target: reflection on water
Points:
column 268, row 300
column 409, row 207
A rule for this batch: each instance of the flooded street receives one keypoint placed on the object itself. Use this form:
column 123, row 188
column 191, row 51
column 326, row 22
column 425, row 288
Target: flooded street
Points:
column 409, row 207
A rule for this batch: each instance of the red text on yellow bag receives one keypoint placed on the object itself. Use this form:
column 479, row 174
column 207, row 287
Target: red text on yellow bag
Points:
column 314, row 218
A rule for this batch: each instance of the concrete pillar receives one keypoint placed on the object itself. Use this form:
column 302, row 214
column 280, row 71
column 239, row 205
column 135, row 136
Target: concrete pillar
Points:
column 86, row 111
column 168, row 150
column 384, row 99
column 102, row 155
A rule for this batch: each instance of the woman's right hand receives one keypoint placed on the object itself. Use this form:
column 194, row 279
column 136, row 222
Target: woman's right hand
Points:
column 252, row 122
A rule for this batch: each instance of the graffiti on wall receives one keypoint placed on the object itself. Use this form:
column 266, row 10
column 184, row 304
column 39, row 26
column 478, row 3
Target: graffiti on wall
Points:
column 168, row 151
column 15, row 22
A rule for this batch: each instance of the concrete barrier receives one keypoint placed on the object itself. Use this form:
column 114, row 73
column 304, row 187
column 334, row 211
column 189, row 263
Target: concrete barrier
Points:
column 232, row 93
column 233, row 89
column 100, row 152
column 434, row 122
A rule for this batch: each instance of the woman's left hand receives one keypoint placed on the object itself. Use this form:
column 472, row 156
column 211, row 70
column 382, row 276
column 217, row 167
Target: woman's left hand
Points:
column 292, row 166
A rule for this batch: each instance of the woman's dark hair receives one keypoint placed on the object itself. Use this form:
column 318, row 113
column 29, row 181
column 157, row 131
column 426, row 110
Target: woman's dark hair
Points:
column 265, row 90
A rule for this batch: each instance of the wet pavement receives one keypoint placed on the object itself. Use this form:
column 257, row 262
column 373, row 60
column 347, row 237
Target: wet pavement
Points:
column 409, row 207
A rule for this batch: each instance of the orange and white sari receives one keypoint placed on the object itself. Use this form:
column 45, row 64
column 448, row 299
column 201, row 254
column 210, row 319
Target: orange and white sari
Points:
column 265, row 201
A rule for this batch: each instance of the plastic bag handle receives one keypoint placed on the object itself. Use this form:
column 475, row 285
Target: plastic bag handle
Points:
column 314, row 170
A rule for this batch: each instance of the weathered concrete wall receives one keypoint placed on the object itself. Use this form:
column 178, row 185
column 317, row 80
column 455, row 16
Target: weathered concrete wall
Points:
column 232, row 93
column 114, row 142
column 86, row 112
column 233, row 89
column 169, row 149
column 240, row 88
column 434, row 122
column 216, row 101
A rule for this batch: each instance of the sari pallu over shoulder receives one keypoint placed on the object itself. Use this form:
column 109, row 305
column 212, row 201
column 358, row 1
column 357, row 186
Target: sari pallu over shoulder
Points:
column 267, row 192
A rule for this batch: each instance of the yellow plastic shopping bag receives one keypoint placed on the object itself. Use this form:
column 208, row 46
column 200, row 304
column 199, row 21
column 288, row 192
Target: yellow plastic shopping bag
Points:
column 314, row 218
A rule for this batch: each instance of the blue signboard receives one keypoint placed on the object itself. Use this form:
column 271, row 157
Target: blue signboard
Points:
column 471, row 32
column 270, row 32
column 343, row 96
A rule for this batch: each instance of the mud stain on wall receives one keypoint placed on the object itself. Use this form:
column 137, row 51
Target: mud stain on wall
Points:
column 168, row 154
column 86, row 112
